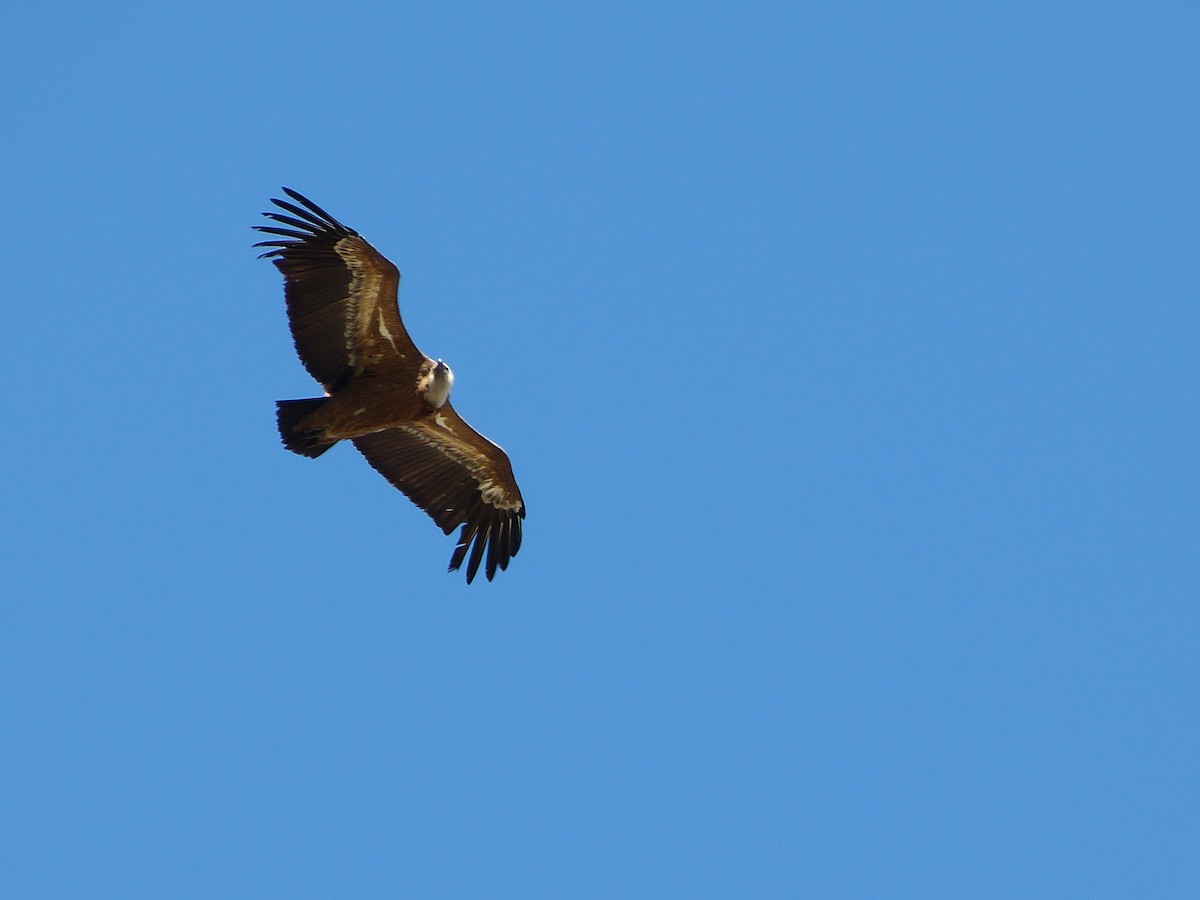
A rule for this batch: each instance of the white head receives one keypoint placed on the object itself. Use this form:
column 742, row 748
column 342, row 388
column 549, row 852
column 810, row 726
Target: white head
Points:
column 436, row 387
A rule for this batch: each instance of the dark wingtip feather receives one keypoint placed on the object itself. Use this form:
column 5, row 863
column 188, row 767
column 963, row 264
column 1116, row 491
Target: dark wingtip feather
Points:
column 283, row 232
column 460, row 550
column 476, row 554
column 493, row 548
column 290, row 221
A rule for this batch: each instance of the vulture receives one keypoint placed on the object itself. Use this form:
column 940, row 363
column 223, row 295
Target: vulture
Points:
column 381, row 393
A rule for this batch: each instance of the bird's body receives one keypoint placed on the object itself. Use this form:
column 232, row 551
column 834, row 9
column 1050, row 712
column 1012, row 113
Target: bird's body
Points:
column 382, row 393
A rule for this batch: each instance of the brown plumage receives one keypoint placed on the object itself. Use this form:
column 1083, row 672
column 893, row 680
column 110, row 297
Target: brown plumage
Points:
column 382, row 393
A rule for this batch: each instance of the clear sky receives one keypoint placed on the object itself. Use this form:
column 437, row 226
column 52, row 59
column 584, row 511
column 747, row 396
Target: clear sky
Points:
column 847, row 359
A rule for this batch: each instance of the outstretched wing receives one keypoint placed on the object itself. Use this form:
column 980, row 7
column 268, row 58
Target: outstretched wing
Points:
column 341, row 294
column 458, row 477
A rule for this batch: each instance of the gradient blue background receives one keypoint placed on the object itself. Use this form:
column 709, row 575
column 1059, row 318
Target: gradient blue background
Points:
column 847, row 357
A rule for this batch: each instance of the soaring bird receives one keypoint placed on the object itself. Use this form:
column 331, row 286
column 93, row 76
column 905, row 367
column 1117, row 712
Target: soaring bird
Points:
column 381, row 392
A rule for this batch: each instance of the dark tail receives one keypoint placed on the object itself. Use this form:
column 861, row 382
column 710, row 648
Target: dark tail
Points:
column 307, row 443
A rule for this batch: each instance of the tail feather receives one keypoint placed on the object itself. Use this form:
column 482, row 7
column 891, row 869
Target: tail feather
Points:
column 307, row 443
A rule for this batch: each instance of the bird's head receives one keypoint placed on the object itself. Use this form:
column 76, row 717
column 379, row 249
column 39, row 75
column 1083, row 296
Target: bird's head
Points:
column 436, row 390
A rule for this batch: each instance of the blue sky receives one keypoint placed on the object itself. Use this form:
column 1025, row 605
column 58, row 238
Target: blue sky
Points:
column 846, row 357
